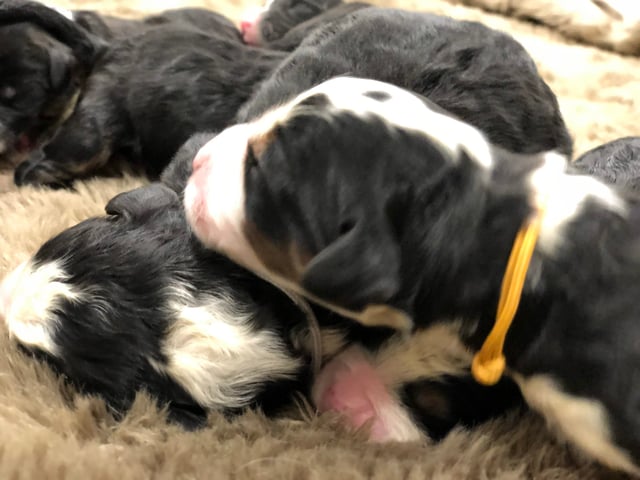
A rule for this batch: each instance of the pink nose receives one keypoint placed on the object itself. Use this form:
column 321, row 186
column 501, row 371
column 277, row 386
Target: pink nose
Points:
column 245, row 25
column 198, row 161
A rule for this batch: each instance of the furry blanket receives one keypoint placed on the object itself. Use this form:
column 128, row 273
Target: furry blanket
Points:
column 49, row 431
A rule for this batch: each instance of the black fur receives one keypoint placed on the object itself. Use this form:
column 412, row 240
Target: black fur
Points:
column 288, row 22
column 45, row 59
column 616, row 162
column 474, row 72
column 147, row 95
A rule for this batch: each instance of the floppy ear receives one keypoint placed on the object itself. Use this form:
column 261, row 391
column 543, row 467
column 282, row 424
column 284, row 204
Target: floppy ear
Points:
column 136, row 203
column 360, row 269
column 61, row 63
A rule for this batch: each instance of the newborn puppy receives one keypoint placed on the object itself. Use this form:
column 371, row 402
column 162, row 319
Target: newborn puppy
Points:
column 374, row 202
column 46, row 56
column 616, row 162
column 132, row 302
column 474, row 72
column 45, row 60
column 283, row 24
column 146, row 96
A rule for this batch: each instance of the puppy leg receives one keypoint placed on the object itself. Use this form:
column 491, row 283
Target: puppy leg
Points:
column 85, row 142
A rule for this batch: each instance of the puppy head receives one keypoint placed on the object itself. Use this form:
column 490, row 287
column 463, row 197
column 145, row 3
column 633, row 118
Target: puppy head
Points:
column 37, row 86
column 264, row 26
column 315, row 195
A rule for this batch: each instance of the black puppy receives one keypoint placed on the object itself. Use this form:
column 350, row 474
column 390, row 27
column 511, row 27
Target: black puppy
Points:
column 475, row 73
column 146, row 96
column 45, row 60
column 616, row 162
column 283, row 24
column 133, row 302
column 380, row 206
column 44, row 67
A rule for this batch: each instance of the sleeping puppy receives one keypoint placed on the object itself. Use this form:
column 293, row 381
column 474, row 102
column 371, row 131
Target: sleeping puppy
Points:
column 372, row 201
column 472, row 71
column 46, row 56
column 283, row 24
column 146, row 96
column 616, row 162
column 45, row 60
column 133, row 302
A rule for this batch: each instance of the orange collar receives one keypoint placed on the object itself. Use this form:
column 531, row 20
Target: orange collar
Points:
column 489, row 362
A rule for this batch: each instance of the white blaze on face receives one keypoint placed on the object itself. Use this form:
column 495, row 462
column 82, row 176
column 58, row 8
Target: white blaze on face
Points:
column 214, row 197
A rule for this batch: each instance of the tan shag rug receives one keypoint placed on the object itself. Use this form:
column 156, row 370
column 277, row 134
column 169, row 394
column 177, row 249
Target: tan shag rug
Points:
column 48, row 431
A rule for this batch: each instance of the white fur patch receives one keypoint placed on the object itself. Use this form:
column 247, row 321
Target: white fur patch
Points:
column 214, row 354
column 402, row 110
column 582, row 421
column 28, row 296
column 562, row 196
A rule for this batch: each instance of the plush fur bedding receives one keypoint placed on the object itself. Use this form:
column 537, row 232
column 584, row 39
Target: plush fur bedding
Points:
column 48, row 431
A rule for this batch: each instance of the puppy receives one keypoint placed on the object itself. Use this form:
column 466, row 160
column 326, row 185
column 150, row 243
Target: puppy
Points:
column 283, row 24
column 404, row 214
column 46, row 56
column 45, row 60
column 146, row 96
column 131, row 302
column 205, row 335
column 473, row 72
column 615, row 162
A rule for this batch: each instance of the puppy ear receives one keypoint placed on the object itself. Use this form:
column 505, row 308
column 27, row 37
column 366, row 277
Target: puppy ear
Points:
column 359, row 269
column 135, row 203
column 61, row 63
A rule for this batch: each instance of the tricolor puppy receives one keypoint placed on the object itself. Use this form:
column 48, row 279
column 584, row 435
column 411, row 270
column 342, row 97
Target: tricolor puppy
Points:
column 283, row 24
column 133, row 302
column 372, row 201
column 616, row 162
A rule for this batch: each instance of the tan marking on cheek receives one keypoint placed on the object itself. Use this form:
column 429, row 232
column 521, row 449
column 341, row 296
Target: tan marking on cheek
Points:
column 286, row 261
column 260, row 143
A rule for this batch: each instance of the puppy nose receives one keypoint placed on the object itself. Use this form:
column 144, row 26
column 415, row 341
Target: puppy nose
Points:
column 244, row 26
column 198, row 161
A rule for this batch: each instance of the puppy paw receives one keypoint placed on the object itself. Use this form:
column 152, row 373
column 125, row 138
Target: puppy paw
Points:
column 38, row 171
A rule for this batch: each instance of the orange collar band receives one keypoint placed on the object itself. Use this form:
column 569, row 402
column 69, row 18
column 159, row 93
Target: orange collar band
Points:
column 489, row 362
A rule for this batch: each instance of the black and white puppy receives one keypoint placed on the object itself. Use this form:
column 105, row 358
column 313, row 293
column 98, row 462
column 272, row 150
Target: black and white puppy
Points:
column 133, row 302
column 616, row 162
column 374, row 202
column 283, row 24
column 483, row 76
column 47, row 54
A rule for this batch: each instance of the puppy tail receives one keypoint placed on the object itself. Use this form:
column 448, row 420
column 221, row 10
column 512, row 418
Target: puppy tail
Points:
column 85, row 46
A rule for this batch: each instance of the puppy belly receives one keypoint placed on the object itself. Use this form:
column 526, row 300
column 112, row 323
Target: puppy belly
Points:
column 350, row 385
